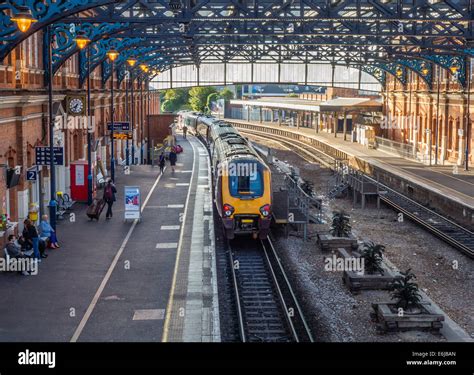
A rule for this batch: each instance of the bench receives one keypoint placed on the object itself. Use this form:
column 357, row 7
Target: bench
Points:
column 7, row 257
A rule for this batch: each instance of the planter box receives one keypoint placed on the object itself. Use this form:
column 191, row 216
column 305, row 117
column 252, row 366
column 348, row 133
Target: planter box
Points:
column 330, row 243
column 387, row 318
column 356, row 281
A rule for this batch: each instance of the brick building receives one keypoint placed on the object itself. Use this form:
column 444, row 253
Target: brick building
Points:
column 423, row 117
column 24, row 123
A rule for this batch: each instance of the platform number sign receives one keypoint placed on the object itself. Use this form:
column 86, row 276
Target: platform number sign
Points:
column 31, row 175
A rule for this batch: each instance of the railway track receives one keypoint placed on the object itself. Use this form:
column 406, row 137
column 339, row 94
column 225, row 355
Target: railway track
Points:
column 445, row 229
column 267, row 308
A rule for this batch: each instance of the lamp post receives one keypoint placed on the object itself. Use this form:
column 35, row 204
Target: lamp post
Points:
column 24, row 19
column 82, row 42
column 145, row 69
column 112, row 55
column 131, row 62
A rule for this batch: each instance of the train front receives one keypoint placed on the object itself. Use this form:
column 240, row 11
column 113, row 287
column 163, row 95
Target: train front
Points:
column 246, row 197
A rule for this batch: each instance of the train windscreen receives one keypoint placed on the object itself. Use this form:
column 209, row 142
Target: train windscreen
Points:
column 245, row 179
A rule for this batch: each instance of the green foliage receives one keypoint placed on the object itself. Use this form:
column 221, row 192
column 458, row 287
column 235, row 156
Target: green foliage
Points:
column 405, row 290
column 198, row 97
column 292, row 95
column 211, row 98
column 373, row 255
column 226, row 94
column 174, row 100
column 167, row 106
column 341, row 226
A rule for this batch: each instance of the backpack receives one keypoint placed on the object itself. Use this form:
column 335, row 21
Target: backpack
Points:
column 108, row 193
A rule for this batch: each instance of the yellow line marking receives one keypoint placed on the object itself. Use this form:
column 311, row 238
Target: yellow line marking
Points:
column 169, row 306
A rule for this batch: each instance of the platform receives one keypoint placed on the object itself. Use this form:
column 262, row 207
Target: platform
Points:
column 126, row 281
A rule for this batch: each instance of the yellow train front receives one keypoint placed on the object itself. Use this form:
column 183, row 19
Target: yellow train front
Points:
column 241, row 179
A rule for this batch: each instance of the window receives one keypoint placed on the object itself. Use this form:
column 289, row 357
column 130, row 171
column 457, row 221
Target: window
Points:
column 245, row 179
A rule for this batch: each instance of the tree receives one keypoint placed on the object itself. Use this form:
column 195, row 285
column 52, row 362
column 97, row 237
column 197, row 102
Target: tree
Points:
column 405, row 290
column 211, row 98
column 341, row 226
column 174, row 100
column 167, row 106
column 226, row 94
column 373, row 255
column 198, row 97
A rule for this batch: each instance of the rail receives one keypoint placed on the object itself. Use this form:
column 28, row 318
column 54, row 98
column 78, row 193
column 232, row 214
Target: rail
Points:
column 267, row 307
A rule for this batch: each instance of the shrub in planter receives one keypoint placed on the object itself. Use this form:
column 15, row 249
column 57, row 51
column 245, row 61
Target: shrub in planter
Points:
column 406, row 291
column 372, row 254
column 341, row 226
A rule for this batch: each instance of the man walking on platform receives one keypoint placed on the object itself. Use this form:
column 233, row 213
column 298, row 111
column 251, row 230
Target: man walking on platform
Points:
column 109, row 197
column 185, row 131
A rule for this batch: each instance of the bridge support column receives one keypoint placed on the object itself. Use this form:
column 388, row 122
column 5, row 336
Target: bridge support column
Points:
column 345, row 125
column 280, row 114
column 335, row 124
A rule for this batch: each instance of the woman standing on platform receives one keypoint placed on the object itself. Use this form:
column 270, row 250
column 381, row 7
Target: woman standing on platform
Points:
column 173, row 158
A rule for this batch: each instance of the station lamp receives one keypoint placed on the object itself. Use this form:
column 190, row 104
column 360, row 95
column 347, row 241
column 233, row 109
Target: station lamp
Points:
column 454, row 68
column 24, row 19
column 112, row 54
column 82, row 40
column 424, row 70
column 399, row 72
column 144, row 68
column 131, row 62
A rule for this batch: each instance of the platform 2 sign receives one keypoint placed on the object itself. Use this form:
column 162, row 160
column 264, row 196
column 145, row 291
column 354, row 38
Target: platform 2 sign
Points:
column 132, row 202
column 43, row 155
column 32, row 174
column 119, row 126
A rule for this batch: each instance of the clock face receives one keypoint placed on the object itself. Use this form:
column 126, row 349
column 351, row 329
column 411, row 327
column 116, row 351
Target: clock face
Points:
column 76, row 105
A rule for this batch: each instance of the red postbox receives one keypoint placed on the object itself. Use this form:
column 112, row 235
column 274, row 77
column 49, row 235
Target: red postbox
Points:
column 79, row 172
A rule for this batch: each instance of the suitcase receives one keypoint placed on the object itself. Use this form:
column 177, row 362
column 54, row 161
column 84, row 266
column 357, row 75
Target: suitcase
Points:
column 95, row 209
column 178, row 149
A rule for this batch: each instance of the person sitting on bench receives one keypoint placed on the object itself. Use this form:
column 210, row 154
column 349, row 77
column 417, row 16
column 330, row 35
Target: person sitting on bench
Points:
column 48, row 234
column 14, row 251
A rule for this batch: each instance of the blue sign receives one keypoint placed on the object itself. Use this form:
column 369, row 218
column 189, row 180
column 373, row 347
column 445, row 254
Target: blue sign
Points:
column 31, row 175
column 119, row 126
column 43, row 156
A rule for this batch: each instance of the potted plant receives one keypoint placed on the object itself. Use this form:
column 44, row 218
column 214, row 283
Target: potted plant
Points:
column 339, row 234
column 372, row 254
column 406, row 292
column 341, row 226
column 409, row 312
column 374, row 275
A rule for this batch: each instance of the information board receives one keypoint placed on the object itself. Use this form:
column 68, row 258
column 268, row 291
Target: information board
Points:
column 43, row 155
column 132, row 201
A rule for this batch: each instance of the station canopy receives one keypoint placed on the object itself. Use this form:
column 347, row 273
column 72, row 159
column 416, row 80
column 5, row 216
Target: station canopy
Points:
column 350, row 43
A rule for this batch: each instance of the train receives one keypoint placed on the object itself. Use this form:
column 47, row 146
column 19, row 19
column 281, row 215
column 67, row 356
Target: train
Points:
column 241, row 179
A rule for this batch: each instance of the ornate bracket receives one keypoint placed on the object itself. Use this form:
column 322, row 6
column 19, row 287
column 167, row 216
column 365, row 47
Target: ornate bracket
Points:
column 376, row 72
column 422, row 68
column 98, row 53
column 456, row 64
column 65, row 34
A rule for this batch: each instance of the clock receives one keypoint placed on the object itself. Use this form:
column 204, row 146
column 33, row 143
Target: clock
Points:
column 76, row 105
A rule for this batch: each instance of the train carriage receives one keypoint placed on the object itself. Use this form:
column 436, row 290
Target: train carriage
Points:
column 242, row 181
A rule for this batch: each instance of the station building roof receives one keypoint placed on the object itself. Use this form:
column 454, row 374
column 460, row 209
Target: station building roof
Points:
column 333, row 105
column 281, row 103
column 351, row 105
